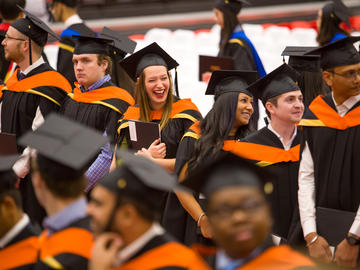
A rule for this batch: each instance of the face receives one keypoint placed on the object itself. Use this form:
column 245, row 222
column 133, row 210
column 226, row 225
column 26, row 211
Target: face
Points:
column 289, row 109
column 318, row 20
column 56, row 10
column 14, row 44
column 344, row 81
column 244, row 110
column 219, row 17
column 157, row 85
column 240, row 219
column 99, row 208
column 87, row 70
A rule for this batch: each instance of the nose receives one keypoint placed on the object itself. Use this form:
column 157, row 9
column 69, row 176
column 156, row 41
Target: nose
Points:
column 239, row 215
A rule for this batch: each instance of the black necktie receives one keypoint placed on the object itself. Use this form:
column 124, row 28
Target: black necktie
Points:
column 20, row 75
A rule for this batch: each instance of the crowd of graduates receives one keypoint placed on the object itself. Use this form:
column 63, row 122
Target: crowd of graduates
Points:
column 213, row 192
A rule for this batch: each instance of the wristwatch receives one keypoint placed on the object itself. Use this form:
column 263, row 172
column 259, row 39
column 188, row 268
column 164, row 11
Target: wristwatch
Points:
column 352, row 240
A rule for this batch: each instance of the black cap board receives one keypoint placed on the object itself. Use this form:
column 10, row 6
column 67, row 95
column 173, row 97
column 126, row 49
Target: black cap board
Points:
column 67, row 142
column 140, row 178
column 279, row 81
column 7, row 162
column 152, row 55
column 91, row 45
column 227, row 171
column 69, row 3
column 224, row 81
column 336, row 11
column 232, row 5
column 301, row 62
column 33, row 27
column 121, row 45
column 339, row 53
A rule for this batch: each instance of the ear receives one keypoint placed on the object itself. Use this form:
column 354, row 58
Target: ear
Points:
column 328, row 78
column 270, row 107
column 126, row 214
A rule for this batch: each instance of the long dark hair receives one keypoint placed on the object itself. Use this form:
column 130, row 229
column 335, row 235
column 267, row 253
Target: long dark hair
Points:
column 329, row 26
column 230, row 22
column 215, row 128
column 312, row 84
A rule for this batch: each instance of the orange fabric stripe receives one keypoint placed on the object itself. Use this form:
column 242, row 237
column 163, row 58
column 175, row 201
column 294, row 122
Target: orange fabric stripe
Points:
column 48, row 78
column 170, row 254
column 196, row 128
column 278, row 258
column 331, row 118
column 72, row 240
column 22, row 253
column 103, row 94
column 262, row 152
column 133, row 113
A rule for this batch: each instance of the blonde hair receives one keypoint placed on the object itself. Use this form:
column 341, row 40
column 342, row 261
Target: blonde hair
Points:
column 142, row 99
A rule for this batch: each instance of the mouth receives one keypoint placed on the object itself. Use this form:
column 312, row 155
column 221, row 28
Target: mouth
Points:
column 159, row 93
column 243, row 235
column 246, row 115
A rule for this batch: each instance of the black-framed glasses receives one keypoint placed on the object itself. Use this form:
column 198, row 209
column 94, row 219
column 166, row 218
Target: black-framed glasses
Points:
column 8, row 37
column 350, row 75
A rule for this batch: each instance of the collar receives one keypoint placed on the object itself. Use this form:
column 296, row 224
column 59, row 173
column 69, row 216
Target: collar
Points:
column 71, row 213
column 15, row 230
column 288, row 145
column 96, row 85
column 74, row 19
column 223, row 261
column 37, row 63
column 138, row 244
column 238, row 28
column 343, row 108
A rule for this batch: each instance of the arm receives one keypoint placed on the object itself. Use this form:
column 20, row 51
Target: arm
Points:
column 317, row 245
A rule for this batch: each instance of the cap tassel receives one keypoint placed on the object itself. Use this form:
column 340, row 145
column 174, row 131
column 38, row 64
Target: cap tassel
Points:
column 30, row 53
column 176, row 84
column 116, row 70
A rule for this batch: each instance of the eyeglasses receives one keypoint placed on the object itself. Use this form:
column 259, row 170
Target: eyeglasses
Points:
column 248, row 207
column 350, row 75
column 8, row 37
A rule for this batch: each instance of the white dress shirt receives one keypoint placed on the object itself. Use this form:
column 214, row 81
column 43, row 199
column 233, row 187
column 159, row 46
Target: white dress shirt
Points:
column 74, row 19
column 287, row 145
column 14, row 231
column 306, row 193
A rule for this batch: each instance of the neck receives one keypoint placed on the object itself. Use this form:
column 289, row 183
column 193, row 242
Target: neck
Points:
column 55, row 205
column 24, row 64
column 339, row 99
column 68, row 12
column 284, row 129
column 135, row 232
column 157, row 106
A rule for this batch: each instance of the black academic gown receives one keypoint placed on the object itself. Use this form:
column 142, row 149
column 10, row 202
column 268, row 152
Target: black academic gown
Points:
column 69, row 248
column 42, row 88
column 163, row 253
column 66, row 49
column 265, row 149
column 99, row 109
column 334, row 145
column 21, row 252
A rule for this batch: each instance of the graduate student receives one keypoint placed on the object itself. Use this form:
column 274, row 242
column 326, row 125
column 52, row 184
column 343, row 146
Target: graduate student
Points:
column 125, row 212
column 240, row 216
column 155, row 102
column 329, row 171
column 64, row 149
column 30, row 94
column 65, row 11
column 18, row 237
column 328, row 21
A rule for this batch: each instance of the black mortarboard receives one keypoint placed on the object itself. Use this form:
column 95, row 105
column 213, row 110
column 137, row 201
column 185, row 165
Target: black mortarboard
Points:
column 121, row 46
column 34, row 28
column 91, row 45
column 336, row 11
column 7, row 162
column 224, row 81
column 301, row 62
column 339, row 53
column 69, row 3
column 65, row 141
column 231, row 5
column 139, row 178
column 7, row 181
column 279, row 81
column 227, row 171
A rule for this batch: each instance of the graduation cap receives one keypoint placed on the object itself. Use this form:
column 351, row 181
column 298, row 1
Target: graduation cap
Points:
column 152, row 55
column 121, row 46
column 65, row 141
column 140, row 178
column 6, row 163
column 86, row 44
column 69, row 3
column 227, row 171
column 301, row 62
column 336, row 11
column 339, row 53
column 279, row 81
column 225, row 81
column 232, row 5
